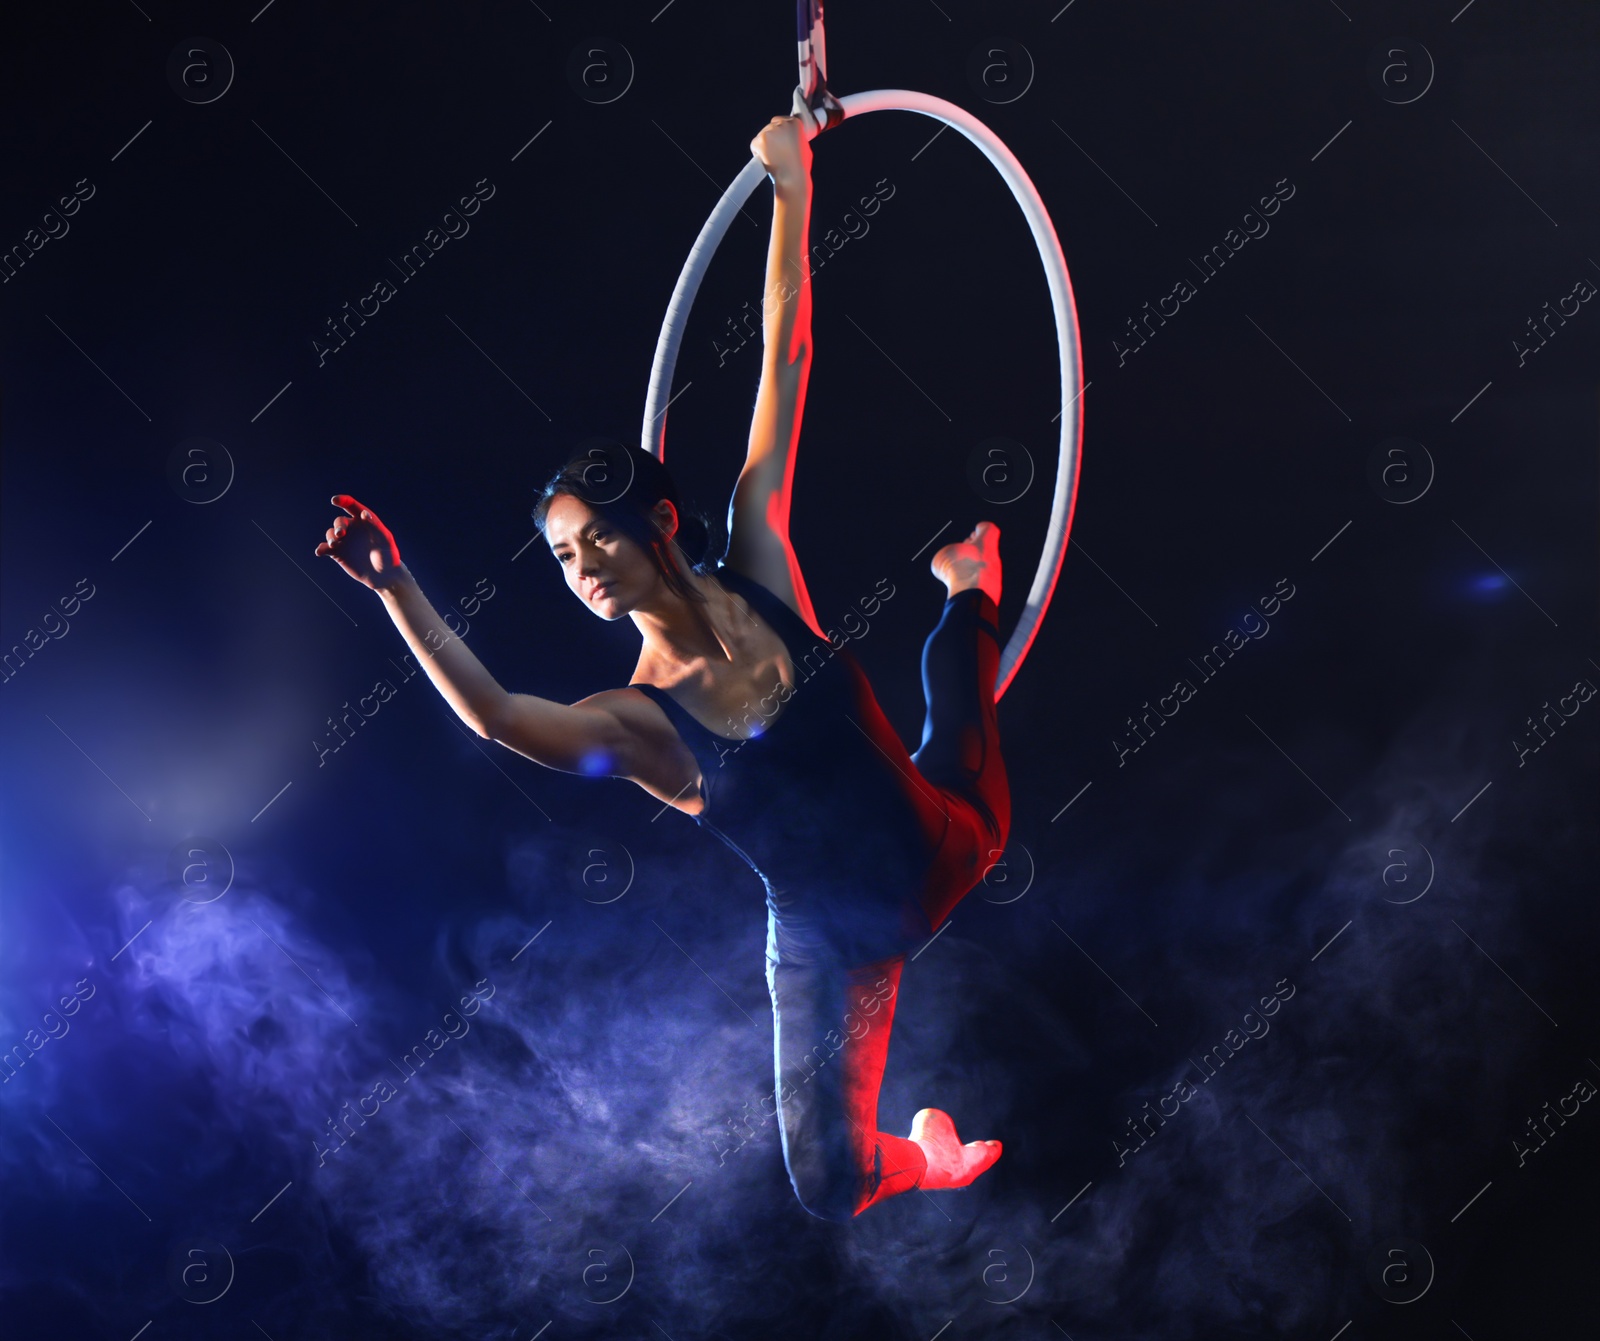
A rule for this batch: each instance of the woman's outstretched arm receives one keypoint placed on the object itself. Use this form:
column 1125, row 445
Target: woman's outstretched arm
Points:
column 758, row 516
column 612, row 733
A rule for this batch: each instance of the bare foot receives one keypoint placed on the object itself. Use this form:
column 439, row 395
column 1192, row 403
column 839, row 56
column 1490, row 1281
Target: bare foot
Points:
column 950, row 1164
column 973, row 562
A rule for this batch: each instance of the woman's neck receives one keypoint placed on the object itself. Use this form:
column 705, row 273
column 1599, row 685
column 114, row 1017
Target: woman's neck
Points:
column 677, row 631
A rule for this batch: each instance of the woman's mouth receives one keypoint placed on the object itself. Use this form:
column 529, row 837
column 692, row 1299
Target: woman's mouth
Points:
column 602, row 590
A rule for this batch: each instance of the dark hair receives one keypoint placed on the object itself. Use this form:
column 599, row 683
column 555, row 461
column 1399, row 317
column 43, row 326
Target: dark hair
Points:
column 623, row 483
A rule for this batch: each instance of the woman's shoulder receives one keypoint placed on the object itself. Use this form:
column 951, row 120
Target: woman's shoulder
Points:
column 766, row 602
column 738, row 582
column 805, row 645
column 628, row 704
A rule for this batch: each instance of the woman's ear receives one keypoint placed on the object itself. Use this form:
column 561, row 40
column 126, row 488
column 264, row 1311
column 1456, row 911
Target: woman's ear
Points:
column 665, row 517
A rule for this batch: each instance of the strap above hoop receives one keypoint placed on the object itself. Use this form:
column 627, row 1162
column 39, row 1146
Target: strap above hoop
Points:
column 813, row 102
column 808, row 118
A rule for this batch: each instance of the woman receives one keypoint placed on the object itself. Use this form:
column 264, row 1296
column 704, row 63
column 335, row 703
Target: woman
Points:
column 863, row 848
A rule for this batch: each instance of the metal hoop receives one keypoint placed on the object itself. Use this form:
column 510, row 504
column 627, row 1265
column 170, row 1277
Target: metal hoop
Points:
column 652, row 433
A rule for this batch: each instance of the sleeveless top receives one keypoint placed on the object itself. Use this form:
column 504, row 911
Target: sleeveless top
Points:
column 823, row 804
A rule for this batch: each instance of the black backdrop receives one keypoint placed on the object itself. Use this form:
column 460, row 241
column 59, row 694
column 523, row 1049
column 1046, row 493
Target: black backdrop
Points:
column 1348, row 446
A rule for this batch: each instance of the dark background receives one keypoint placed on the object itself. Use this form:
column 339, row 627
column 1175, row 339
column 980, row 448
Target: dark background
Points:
column 1267, row 833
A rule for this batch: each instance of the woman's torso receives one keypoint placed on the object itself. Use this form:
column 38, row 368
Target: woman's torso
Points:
column 813, row 788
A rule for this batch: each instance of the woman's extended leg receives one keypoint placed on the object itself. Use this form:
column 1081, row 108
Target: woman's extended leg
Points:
column 960, row 750
column 960, row 756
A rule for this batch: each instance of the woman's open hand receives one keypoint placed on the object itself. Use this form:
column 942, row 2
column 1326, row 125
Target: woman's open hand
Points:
column 362, row 545
column 784, row 151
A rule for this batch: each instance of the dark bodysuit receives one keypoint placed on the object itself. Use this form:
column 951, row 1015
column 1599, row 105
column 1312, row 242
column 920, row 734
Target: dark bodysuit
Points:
column 864, row 849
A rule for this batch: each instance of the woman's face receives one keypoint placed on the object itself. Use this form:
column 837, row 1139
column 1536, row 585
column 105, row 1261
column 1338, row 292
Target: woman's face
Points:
column 607, row 571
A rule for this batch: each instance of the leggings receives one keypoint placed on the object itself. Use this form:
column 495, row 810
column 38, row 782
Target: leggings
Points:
column 832, row 1019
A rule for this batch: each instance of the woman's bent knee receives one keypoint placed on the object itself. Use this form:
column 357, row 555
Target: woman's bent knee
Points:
column 824, row 1174
column 832, row 1199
